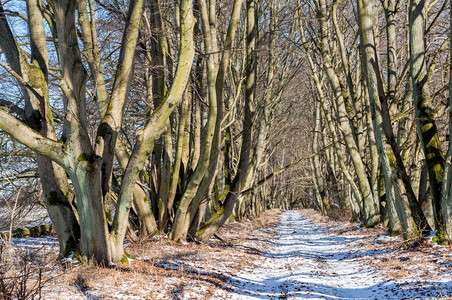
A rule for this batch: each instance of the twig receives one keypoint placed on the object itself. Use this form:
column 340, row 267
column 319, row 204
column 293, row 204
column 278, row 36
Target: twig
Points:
column 219, row 238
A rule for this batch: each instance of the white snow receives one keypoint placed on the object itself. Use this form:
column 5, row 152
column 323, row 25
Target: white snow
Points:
column 308, row 263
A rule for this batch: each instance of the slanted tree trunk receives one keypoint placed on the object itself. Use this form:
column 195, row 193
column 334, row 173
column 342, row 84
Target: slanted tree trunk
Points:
column 183, row 217
column 221, row 216
column 216, row 75
column 370, row 201
column 155, row 126
column 386, row 143
column 87, row 23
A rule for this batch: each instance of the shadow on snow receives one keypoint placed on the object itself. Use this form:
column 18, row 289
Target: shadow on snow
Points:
column 285, row 286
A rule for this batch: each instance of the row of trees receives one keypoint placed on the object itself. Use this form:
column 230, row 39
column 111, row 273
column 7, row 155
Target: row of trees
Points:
column 380, row 71
column 145, row 116
column 173, row 117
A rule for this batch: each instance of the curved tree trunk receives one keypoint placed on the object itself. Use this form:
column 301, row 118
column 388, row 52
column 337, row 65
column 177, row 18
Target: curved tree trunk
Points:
column 232, row 195
column 154, row 128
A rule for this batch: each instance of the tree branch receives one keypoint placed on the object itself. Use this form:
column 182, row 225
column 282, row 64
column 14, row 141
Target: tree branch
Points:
column 13, row 107
column 51, row 149
column 19, row 177
column 7, row 12
column 22, row 81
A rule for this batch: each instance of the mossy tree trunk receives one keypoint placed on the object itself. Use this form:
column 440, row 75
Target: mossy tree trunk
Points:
column 183, row 217
column 155, row 124
column 87, row 23
column 446, row 192
column 386, row 143
column 89, row 165
column 192, row 211
column 231, row 195
column 425, row 112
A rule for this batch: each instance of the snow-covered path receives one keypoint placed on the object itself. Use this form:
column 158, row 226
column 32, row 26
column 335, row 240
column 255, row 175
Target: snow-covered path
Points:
column 307, row 263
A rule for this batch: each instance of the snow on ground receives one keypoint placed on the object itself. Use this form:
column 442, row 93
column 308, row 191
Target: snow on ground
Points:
column 307, row 262
column 25, row 216
column 49, row 243
column 306, row 256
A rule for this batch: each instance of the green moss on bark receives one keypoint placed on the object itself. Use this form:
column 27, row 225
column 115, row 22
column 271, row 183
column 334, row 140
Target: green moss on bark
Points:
column 126, row 258
column 21, row 232
column 82, row 157
column 440, row 237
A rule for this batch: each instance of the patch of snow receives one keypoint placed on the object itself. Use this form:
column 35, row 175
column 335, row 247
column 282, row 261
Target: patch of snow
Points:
column 70, row 259
column 307, row 262
column 382, row 238
column 431, row 235
column 50, row 242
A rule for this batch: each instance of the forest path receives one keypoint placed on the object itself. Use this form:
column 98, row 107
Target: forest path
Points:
column 307, row 262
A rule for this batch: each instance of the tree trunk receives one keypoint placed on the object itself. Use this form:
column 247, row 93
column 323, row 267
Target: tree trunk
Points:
column 446, row 192
column 316, row 160
column 221, row 216
column 154, row 127
column 56, row 191
column 371, row 207
column 425, row 112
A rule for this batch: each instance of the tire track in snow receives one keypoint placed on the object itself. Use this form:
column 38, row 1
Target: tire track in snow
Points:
column 307, row 263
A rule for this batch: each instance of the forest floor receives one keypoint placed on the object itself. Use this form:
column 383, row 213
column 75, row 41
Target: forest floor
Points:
column 281, row 255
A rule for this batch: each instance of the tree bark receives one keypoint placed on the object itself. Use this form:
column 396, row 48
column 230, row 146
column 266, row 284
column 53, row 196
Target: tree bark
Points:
column 231, row 196
column 154, row 127
column 446, row 192
column 425, row 113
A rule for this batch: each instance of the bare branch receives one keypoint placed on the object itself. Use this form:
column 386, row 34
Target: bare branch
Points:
column 22, row 81
column 285, row 168
column 52, row 149
column 13, row 107
column 15, row 14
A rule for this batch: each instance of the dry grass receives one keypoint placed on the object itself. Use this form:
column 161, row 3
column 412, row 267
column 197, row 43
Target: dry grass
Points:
column 169, row 270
